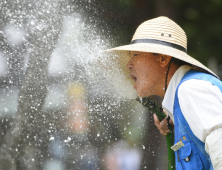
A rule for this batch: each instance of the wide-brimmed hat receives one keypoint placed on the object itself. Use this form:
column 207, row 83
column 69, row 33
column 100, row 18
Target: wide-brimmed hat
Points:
column 159, row 35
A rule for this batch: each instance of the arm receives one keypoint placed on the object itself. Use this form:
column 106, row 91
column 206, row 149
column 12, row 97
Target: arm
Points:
column 213, row 147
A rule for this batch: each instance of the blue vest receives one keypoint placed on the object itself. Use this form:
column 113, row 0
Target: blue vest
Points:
column 192, row 156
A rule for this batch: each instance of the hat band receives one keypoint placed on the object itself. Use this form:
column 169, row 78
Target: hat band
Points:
column 153, row 41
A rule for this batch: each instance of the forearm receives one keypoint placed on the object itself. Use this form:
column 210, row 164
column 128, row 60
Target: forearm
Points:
column 213, row 146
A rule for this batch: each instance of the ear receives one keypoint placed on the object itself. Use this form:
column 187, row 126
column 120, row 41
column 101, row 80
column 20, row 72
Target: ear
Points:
column 164, row 60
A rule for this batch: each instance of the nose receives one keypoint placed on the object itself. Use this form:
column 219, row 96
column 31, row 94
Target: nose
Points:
column 129, row 65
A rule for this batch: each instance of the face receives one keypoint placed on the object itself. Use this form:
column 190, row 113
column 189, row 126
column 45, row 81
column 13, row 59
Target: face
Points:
column 145, row 70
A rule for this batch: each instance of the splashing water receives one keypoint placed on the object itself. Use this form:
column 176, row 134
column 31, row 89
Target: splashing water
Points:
column 80, row 45
column 64, row 104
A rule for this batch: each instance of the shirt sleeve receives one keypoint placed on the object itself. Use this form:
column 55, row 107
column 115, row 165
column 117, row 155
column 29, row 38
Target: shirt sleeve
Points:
column 213, row 147
column 201, row 104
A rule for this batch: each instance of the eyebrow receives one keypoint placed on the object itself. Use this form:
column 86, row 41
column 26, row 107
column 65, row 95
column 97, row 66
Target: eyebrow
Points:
column 155, row 54
column 134, row 54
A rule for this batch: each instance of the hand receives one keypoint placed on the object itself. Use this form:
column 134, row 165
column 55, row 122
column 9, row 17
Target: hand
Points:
column 162, row 126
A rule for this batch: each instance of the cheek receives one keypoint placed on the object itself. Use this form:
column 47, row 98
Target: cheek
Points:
column 143, row 88
column 144, row 92
column 146, row 84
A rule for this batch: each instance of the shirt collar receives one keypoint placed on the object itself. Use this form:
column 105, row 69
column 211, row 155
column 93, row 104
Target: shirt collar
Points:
column 168, row 100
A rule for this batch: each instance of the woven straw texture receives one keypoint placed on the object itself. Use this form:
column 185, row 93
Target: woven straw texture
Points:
column 113, row 62
column 163, row 29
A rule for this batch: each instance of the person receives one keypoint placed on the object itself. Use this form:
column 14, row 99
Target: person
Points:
column 158, row 63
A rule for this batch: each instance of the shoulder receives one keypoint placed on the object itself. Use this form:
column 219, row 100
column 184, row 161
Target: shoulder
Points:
column 197, row 80
column 198, row 88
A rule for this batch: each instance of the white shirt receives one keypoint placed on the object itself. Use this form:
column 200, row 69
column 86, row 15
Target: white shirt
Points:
column 201, row 104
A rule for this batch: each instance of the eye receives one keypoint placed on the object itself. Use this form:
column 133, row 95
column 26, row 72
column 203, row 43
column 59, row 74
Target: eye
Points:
column 132, row 57
column 155, row 54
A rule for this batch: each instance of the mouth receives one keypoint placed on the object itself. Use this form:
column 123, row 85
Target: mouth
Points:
column 133, row 77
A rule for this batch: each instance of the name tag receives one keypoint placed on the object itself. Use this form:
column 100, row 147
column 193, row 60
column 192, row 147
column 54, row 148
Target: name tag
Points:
column 177, row 146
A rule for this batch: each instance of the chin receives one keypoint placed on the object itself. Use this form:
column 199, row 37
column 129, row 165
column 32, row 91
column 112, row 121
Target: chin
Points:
column 141, row 94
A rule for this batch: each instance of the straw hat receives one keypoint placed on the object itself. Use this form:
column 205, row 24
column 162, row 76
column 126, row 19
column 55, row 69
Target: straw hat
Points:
column 159, row 35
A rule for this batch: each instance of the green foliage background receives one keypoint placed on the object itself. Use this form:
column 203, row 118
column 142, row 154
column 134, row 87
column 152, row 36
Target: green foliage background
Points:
column 201, row 21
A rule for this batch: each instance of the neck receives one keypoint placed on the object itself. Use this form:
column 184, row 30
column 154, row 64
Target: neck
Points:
column 172, row 69
column 167, row 76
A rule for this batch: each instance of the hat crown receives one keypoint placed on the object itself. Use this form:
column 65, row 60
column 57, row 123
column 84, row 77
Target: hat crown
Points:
column 162, row 29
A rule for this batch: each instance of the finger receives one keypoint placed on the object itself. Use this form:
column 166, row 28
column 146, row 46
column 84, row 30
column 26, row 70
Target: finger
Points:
column 165, row 132
column 163, row 124
column 162, row 133
column 156, row 119
column 162, row 130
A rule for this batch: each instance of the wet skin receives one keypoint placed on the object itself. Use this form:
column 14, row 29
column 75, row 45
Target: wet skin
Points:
column 148, row 72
